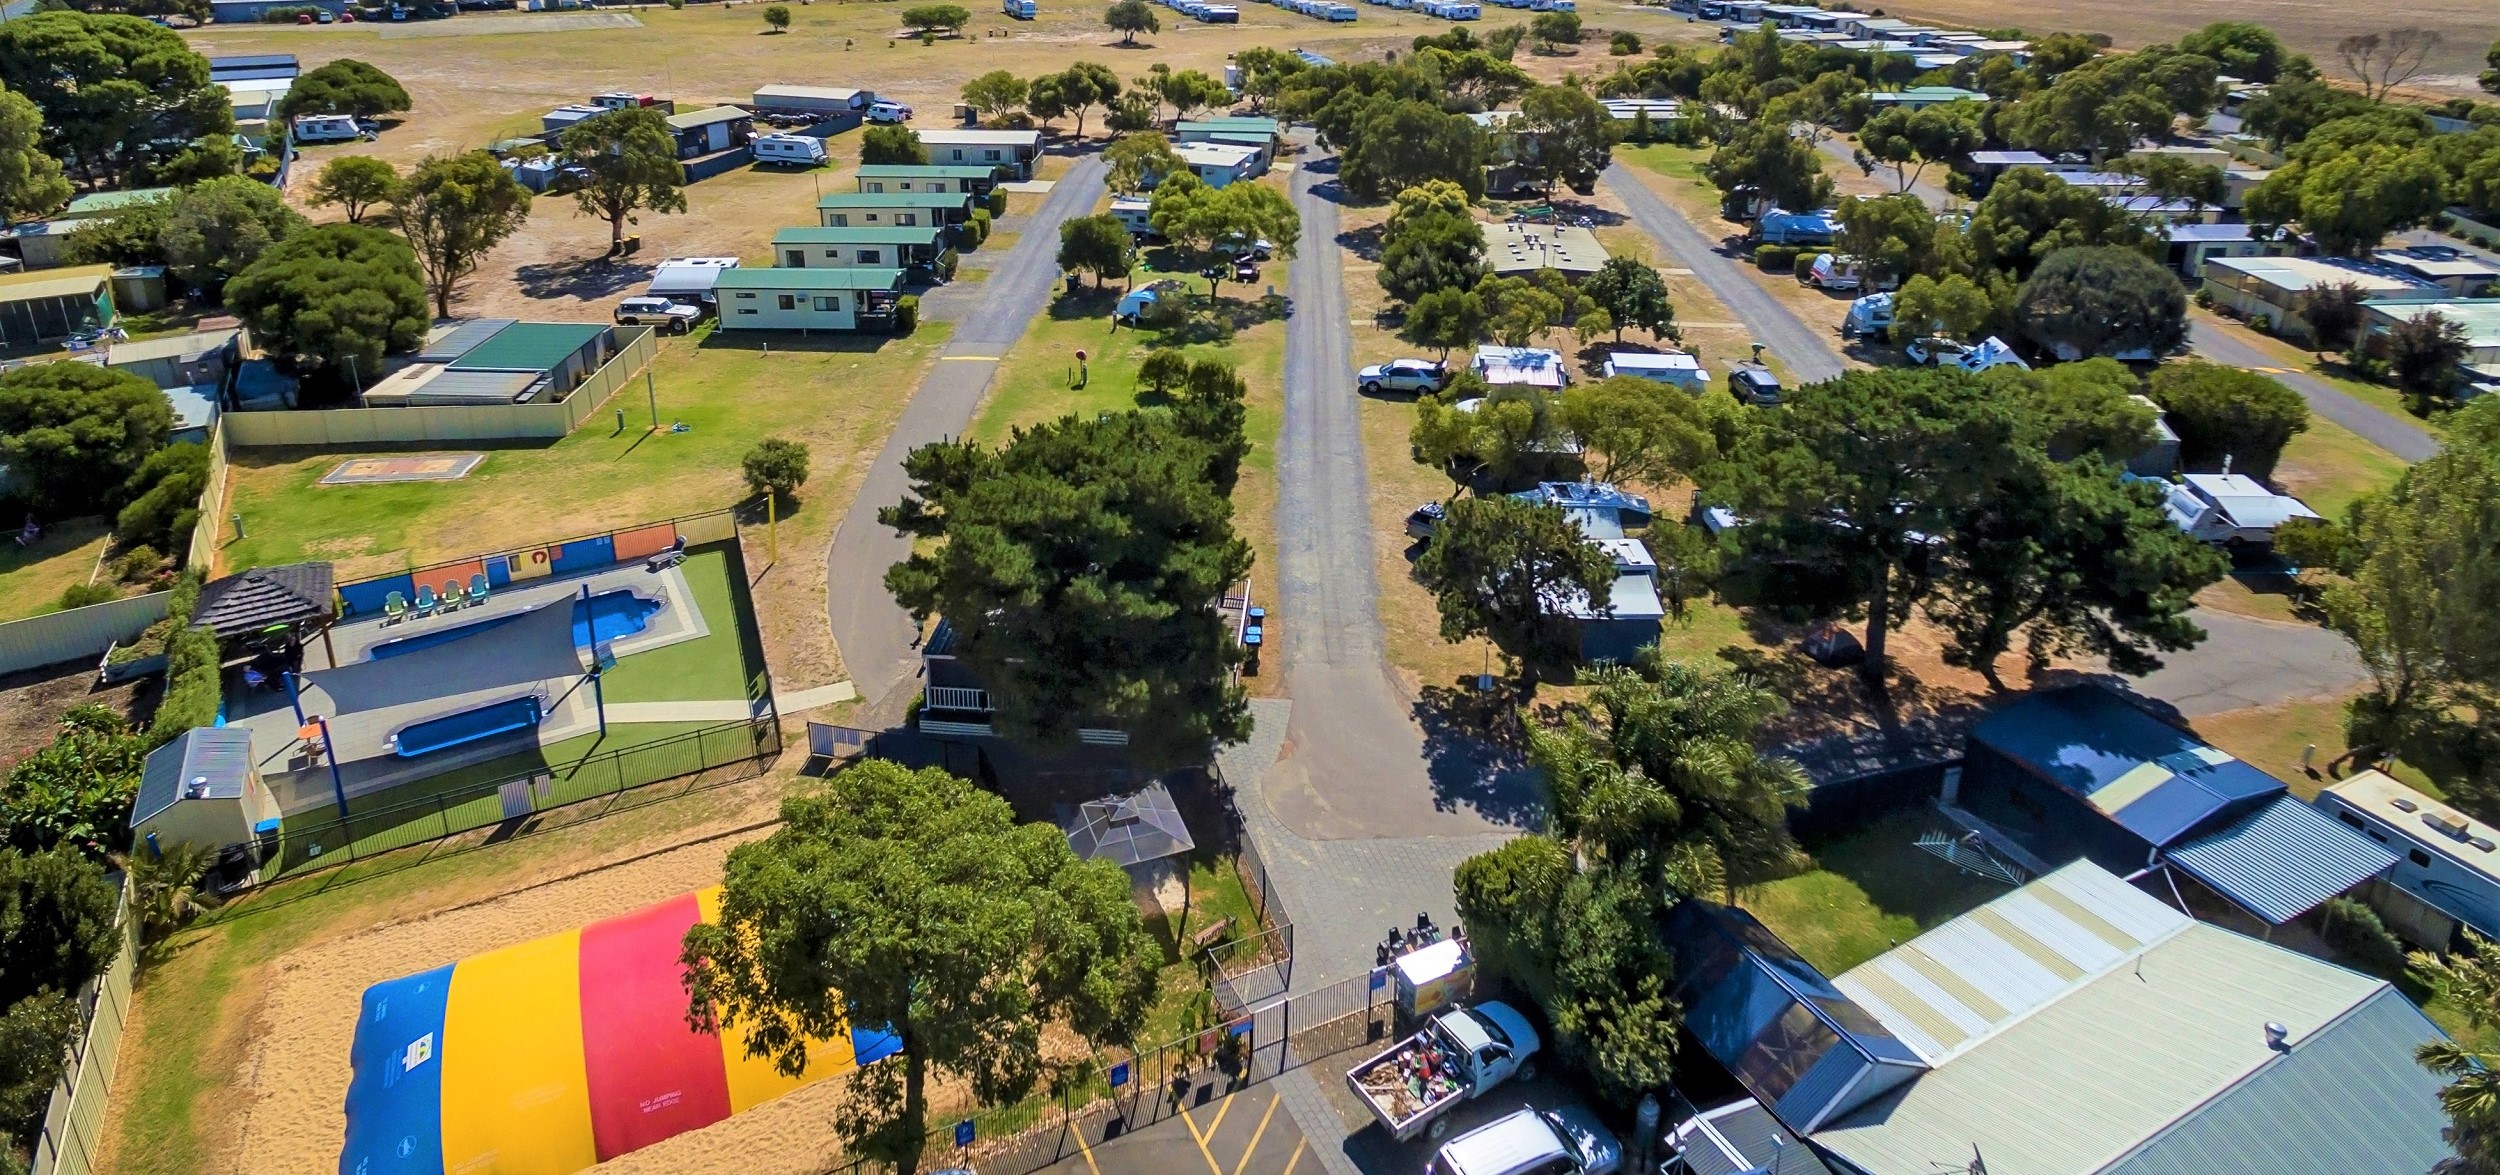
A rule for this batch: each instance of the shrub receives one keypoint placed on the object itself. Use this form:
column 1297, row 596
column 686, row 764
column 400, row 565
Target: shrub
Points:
column 1624, row 44
column 75, row 791
column 677, row 5
column 946, row 264
column 164, row 499
column 2223, row 411
column 2356, row 933
column 1803, row 263
column 776, row 466
column 193, row 683
column 907, row 314
column 80, row 595
column 137, row 563
column 1775, row 258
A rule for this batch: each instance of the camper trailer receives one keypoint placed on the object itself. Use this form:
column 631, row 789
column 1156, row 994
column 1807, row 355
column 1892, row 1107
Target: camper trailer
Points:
column 796, row 150
column 328, row 128
column 1020, row 9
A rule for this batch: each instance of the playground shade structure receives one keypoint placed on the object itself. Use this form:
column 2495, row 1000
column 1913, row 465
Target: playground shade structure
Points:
column 608, row 616
column 556, row 1054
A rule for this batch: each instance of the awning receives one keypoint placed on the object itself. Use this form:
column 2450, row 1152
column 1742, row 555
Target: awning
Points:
column 1131, row 829
column 2282, row 860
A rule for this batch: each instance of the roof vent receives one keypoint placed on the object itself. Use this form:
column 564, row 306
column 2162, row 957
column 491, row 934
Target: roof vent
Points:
column 2278, row 1037
column 2405, row 805
column 2483, row 843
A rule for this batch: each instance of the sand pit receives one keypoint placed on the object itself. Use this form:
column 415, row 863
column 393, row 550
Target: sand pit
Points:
column 297, row 1068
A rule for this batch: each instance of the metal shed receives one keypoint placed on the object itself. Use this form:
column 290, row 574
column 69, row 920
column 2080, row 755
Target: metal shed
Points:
column 202, row 790
column 53, row 304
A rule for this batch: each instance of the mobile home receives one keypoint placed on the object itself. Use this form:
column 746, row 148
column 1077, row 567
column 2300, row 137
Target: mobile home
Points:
column 858, row 248
column 892, row 209
column 1010, row 151
column 975, row 178
column 845, row 299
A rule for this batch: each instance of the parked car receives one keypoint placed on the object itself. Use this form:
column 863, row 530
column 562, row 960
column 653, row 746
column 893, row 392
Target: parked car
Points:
column 1568, row 1140
column 1753, row 383
column 1258, row 250
column 1425, row 521
column 674, row 318
column 1460, row 1054
column 1935, row 349
column 1415, row 376
column 891, row 113
column 1245, row 270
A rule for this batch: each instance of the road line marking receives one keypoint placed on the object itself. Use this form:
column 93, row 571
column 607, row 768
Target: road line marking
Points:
column 1222, row 1107
column 967, row 358
column 1256, row 1135
column 1088, row 1152
column 1201, row 1139
column 1297, row 1154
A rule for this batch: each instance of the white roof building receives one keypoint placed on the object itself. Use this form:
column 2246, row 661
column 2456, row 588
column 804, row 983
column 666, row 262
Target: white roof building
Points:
column 1527, row 366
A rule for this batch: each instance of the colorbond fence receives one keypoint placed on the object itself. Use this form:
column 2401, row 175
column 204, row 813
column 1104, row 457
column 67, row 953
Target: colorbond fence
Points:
column 73, row 1121
column 586, row 553
column 77, row 632
column 203, row 555
column 331, row 427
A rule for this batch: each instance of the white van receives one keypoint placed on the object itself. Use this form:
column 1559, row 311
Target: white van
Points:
column 802, row 150
column 328, row 128
column 888, row 113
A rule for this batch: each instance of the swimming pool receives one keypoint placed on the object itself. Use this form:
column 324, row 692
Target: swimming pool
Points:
column 604, row 617
column 468, row 726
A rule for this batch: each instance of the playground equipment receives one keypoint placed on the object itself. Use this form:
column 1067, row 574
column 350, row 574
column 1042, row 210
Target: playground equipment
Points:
column 556, row 1054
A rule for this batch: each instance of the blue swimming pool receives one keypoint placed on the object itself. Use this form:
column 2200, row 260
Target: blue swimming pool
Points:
column 468, row 726
column 604, row 617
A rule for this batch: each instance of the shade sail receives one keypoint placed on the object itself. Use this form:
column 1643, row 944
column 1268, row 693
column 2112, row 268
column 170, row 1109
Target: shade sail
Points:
column 1131, row 829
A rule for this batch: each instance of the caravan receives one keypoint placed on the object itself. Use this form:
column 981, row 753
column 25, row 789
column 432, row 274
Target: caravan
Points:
column 799, row 150
column 329, row 128
column 1020, row 9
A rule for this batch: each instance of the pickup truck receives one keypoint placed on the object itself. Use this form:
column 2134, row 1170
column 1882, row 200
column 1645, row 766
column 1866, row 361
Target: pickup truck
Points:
column 1460, row 1054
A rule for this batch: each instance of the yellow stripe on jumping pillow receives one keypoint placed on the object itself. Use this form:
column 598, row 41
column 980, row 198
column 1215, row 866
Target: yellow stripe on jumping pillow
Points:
column 753, row 1080
column 516, row 1098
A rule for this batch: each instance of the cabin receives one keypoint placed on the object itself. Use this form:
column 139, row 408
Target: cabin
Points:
column 811, row 298
column 1013, row 152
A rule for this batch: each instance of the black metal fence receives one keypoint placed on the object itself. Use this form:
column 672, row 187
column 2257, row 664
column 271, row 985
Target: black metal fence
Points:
column 514, row 804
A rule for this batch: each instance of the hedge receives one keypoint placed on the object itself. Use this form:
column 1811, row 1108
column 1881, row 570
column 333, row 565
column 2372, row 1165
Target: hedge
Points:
column 997, row 202
column 193, row 689
column 1804, row 263
column 1775, row 258
column 907, row 314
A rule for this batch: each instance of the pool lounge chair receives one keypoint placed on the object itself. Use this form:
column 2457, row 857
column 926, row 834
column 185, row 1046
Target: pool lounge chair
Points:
column 425, row 600
column 477, row 589
column 452, row 597
column 394, row 608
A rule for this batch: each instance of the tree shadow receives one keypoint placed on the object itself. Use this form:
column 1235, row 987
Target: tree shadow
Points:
column 1475, row 754
column 1364, row 243
column 587, row 278
column 1085, row 302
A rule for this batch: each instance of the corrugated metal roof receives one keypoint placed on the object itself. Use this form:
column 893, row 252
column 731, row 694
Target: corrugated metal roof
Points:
column 456, row 341
column 440, row 386
column 811, row 278
column 98, row 203
column 2089, row 1077
column 77, row 282
column 2280, row 861
column 893, row 199
column 1949, row 990
column 706, row 117
column 530, row 346
column 2151, row 778
column 883, row 171
column 216, row 759
column 2350, row 1098
column 1742, row 1138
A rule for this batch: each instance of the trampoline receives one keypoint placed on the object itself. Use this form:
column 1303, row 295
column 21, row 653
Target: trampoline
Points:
column 468, row 726
column 604, row 617
column 555, row 1054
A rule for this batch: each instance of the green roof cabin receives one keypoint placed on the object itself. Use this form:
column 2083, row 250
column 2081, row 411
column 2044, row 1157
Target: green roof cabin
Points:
column 839, row 299
column 858, row 247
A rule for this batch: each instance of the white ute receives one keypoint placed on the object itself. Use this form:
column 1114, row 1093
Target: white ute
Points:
column 1564, row 1141
column 674, row 318
column 1415, row 376
column 1460, row 1054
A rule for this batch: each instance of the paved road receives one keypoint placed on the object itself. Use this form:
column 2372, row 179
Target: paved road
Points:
column 1244, row 1133
column 1808, row 353
column 874, row 635
column 2218, row 341
column 2248, row 662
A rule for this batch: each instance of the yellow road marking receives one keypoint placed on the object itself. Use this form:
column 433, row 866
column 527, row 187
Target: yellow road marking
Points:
column 1297, row 1154
column 1223, row 1106
column 1255, row 1136
column 1201, row 1139
column 1088, row 1152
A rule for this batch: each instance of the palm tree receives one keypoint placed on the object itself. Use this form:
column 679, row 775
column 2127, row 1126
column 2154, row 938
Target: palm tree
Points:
column 2469, row 981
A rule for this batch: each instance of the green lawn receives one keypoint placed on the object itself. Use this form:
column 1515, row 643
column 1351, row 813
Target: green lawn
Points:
column 837, row 394
column 1683, row 163
column 726, row 663
column 1867, row 893
column 2330, row 465
column 1036, row 381
column 33, row 578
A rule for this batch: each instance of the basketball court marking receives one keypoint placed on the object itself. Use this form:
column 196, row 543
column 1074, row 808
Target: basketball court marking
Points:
column 377, row 470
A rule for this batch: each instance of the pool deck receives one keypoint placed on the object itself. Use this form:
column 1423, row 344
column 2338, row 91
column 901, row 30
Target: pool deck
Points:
column 367, row 763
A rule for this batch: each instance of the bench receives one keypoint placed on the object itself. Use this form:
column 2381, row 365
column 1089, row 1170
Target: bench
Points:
column 1211, row 934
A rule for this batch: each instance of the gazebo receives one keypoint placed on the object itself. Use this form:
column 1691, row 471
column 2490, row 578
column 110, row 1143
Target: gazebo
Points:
column 1141, row 832
column 269, row 609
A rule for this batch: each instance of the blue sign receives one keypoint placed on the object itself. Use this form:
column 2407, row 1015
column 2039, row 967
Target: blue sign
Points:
column 1241, row 1028
column 1119, row 1075
column 963, row 1132
column 1380, row 979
